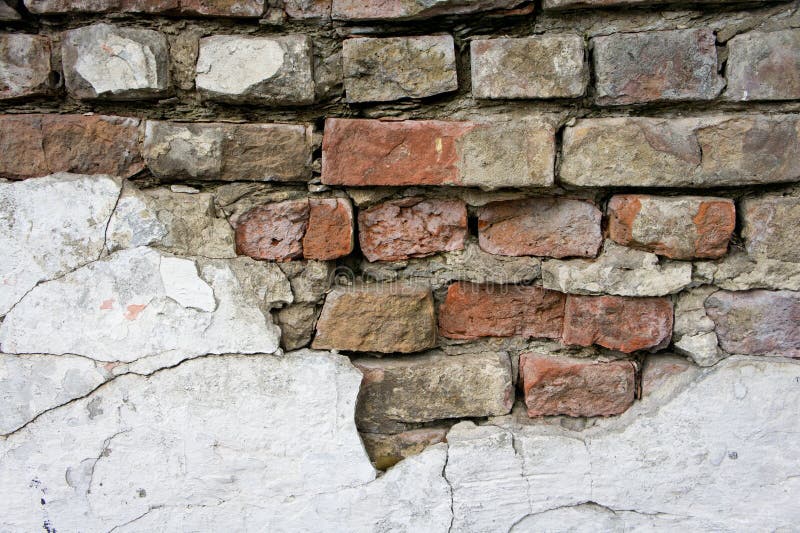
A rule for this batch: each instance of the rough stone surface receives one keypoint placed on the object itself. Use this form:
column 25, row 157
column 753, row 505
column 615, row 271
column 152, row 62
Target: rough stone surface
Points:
column 263, row 70
column 24, row 65
column 412, row 9
column 122, row 308
column 49, row 227
column 617, row 270
column 721, row 150
column 769, row 227
column 659, row 369
column 739, row 272
column 310, row 280
column 228, row 152
column 546, row 66
column 115, row 63
column 308, row 9
column 579, row 4
column 411, row 227
column 618, row 323
column 764, row 66
column 576, row 387
column 273, row 231
column 330, row 232
column 359, row 152
column 377, row 318
column 38, row 145
column 433, row 386
column 656, row 66
column 757, row 322
column 7, row 11
column 179, row 223
column 386, row 450
column 694, row 334
column 391, row 68
column 549, row 227
column 474, row 310
column 297, row 325
column 222, row 8
column 679, row 227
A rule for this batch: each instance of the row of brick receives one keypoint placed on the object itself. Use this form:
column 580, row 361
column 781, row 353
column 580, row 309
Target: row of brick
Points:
column 120, row 63
column 720, row 150
column 355, row 10
column 682, row 227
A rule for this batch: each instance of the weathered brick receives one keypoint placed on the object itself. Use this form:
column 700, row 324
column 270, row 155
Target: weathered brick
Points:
column 473, row 310
column 551, row 227
column 261, row 70
column 396, row 392
column 414, row 9
column 579, row 4
column 770, row 227
column 383, row 318
column 228, row 152
column 576, row 387
column 764, row 66
column 546, row 66
column 380, row 70
column 386, row 450
column 115, row 63
column 679, row 227
column 720, row 150
column 756, row 322
column 359, row 152
column 38, row 145
column 656, row 66
column 221, row 8
column 330, row 232
column 24, row 65
column 314, row 228
column 617, row 322
column 412, row 227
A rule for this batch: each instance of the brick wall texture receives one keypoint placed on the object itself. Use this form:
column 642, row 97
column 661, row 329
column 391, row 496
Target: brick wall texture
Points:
column 537, row 261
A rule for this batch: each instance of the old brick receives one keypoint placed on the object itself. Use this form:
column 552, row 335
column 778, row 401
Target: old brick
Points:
column 576, row 387
column 679, row 227
column 380, row 70
column 262, row 70
column 757, row 322
column 770, row 227
column 330, row 229
column 473, row 310
column 396, row 392
column 546, row 66
column 115, row 63
column 658, row 369
column 383, row 318
column 764, row 66
column 656, row 66
column 39, row 145
column 412, row 227
column 386, row 450
column 24, row 65
column 551, row 227
column 228, row 152
column 720, row 150
column 617, row 322
column 221, row 8
column 273, row 231
column 549, row 5
column 414, row 9
column 432, row 152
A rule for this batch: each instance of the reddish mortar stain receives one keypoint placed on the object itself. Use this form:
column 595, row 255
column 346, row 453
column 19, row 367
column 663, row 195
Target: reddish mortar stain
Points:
column 134, row 310
column 107, row 304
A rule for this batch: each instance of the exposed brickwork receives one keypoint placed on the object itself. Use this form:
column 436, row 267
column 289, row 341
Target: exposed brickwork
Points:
column 24, row 65
column 770, row 227
column 764, row 66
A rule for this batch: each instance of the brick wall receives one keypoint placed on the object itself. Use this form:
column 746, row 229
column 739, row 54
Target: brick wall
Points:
column 480, row 229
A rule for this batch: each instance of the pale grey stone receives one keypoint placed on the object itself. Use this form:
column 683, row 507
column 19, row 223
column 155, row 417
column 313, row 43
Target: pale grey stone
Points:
column 121, row 309
column 617, row 270
column 7, row 12
column 693, row 332
column 385, row 69
column 182, row 284
column 297, row 325
column 310, row 280
column 769, row 227
column 115, row 63
column 764, row 66
column 24, row 64
column 50, row 226
column 739, row 272
column 247, row 69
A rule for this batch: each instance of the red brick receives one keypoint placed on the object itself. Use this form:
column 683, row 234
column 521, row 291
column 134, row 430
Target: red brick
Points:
column 412, row 227
column 473, row 310
column 679, row 227
column 549, row 227
column 38, row 145
column 576, row 387
column 330, row 229
column 617, row 322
